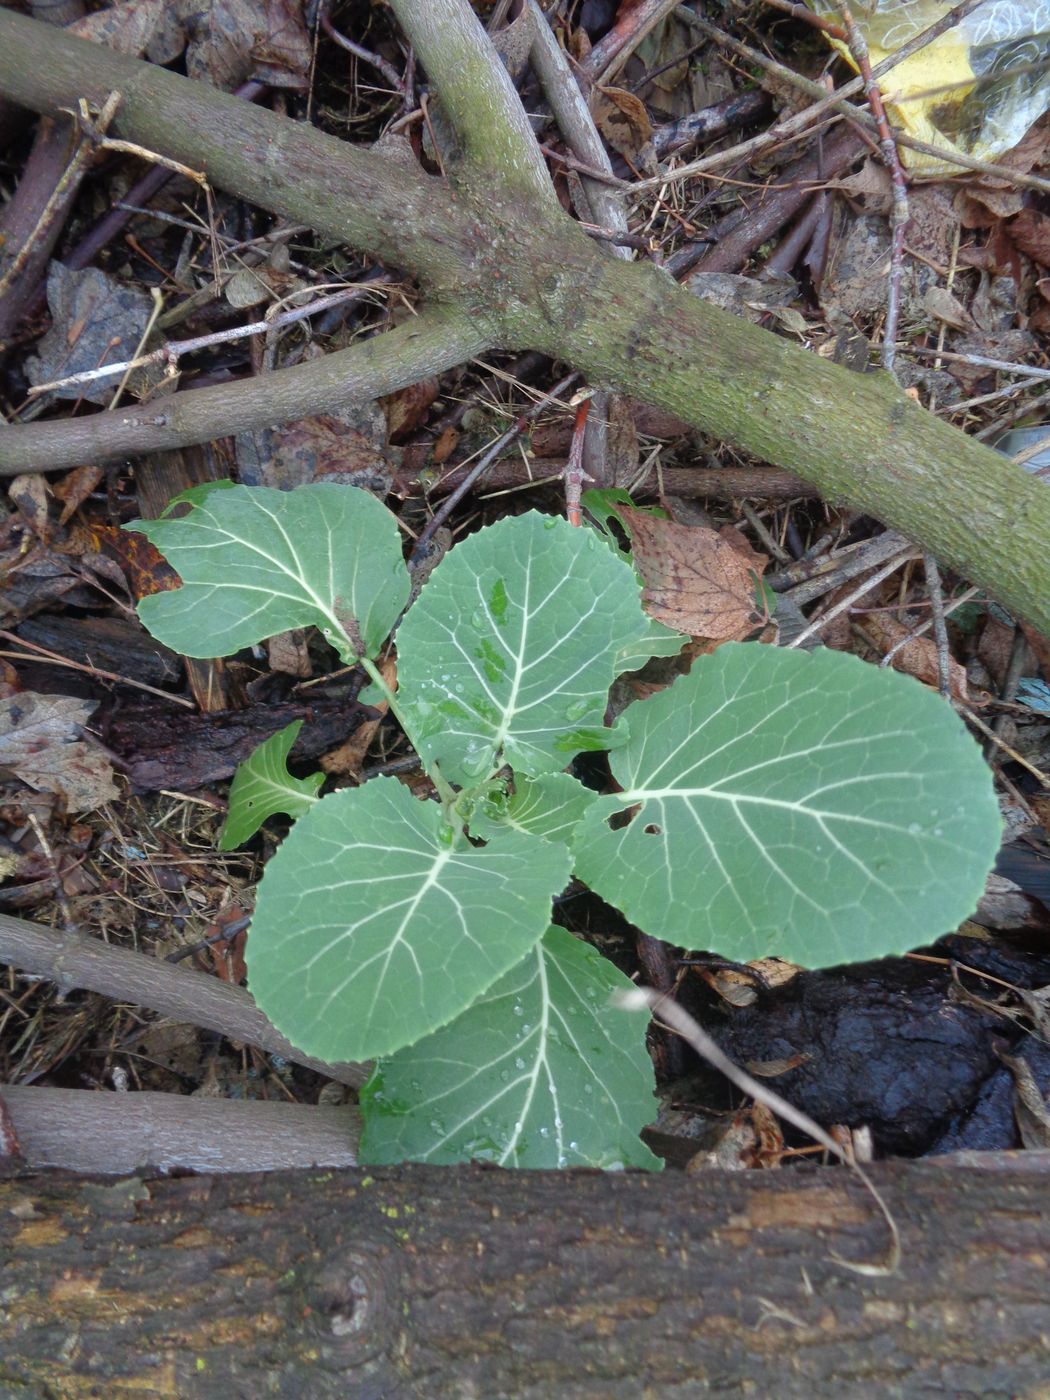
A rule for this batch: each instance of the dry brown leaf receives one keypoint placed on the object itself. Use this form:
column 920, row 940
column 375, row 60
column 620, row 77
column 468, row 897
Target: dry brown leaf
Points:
column 289, row 653
column 348, row 759
column 75, row 487
column 406, row 410
column 41, row 743
column 697, row 580
column 1030, row 1108
column 940, row 303
column 623, row 121
column 1031, row 232
column 917, row 657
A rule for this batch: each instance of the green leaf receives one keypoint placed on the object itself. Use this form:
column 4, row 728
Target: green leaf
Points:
column 540, row 1072
column 659, row 640
column 374, row 926
column 509, row 652
column 194, row 495
column 262, row 787
column 255, row 562
column 812, row 807
column 550, row 806
column 603, row 504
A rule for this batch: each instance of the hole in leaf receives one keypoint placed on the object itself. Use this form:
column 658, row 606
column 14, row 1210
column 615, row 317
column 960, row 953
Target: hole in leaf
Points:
column 653, row 830
column 618, row 820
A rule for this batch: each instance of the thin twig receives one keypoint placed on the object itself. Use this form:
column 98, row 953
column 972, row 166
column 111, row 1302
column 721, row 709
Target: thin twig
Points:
column 981, row 361
column 1001, row 743
column 84, row 154
column 865, row 586
column 610, row 54
column 574, row 473
column 515, row 431
column 823, row 105
column 923, row 627
column 679, row 1020
column 374, row 60
column 935, row 593
column 55, row 659
column 173, row 350
column 899, row 218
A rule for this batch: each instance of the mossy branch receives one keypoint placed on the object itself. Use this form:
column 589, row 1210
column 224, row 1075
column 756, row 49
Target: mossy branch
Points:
column 522, row 274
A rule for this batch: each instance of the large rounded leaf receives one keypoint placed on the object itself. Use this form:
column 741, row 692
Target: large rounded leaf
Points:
column 255, row 561
column 372, row 927
column 542, row 1071
column 812, row 807
column 509, row 652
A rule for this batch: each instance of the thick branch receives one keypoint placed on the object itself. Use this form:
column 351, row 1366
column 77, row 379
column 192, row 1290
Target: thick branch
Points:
column 74, row 961
column 478, row 98
column 438, row 340
column 386, row 208
column 855, row 436
column 116, row 1134
column 530, row 278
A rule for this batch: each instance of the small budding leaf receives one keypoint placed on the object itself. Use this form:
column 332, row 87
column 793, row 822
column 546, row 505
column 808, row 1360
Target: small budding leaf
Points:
column 550, row 806
column 811, row 807
column 510, row 650
column 262, row 787
column 542, row 1071
column 255, row 561
column 374, row 925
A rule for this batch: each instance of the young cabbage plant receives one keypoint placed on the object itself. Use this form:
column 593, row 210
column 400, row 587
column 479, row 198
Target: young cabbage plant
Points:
column 769, row 802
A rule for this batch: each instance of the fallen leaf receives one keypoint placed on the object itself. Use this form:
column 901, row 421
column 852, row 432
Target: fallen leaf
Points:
column 1030, row 230
column 697, row 580
column 1030, row 1109
column 348, row 446
column 917, row 657
column 289, row 654
column 229, row 41
column 348, row 759
column 75, row 487
column 41, row 742
column 623, row 121
column 127, row 28
column 95, row 320
column 940, row 303
column 406, row 410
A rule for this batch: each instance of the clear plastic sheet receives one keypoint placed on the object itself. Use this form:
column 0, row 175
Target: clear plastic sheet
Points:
column 976, row 89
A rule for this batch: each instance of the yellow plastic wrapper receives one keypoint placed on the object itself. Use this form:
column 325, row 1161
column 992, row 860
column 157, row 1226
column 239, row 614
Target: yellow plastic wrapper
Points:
column 976, row 89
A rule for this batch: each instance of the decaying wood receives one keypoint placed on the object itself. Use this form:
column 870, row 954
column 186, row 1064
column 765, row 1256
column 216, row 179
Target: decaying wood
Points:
column 413, row 1281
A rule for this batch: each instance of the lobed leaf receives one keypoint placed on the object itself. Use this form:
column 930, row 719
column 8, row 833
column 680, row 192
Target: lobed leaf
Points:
column 509, row 652
column 262, row 787
column 540, row 1072
column 255, row 561
column 812, row 807
column 374, row 926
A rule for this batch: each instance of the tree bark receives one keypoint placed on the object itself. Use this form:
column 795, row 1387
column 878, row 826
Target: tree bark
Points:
column 524, row 275
column 413, row 1281
column 113, row 1134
